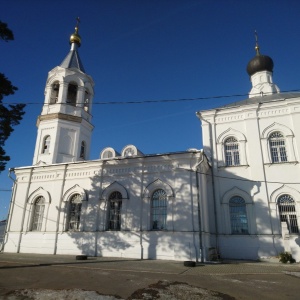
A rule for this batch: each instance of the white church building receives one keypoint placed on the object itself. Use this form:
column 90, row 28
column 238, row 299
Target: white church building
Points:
column 238, row 198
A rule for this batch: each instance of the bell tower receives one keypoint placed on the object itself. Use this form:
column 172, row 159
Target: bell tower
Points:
column 64, row 125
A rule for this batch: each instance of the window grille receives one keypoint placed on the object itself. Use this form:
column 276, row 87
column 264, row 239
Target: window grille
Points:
column 38, row 214
column 74, row 212
column 159, row 210
column 46, row 145
column 277, row 147
column 287, row 213
column 115, row 206
column 232, row 155
column 238, row 215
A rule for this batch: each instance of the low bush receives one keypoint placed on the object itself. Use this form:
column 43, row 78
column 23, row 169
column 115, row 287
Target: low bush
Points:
column 286, row 257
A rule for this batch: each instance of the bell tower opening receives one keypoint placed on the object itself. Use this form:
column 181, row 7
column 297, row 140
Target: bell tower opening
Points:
column 66, row 115
column 54, row 92
column 72, row 93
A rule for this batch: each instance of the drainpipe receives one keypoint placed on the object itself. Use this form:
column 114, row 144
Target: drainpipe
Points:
column 98, row 209
column 141, row 212
column 59, row 209
column 11, row 205
column 213, row 147
column 199, row 207
column 265, row 176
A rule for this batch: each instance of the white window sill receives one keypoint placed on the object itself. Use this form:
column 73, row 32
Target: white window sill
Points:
column 282, row 163
column 233, row 166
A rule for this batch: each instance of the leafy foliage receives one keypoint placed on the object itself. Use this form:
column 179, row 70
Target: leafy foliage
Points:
column 5, row 33
column 10, row 115
column 286, row 257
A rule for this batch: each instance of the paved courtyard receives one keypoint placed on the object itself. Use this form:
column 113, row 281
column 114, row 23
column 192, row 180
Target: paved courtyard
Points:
column 123, row 278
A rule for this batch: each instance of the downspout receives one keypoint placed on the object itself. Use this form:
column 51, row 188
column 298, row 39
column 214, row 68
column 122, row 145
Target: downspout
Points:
column 11, row 205
column 213, row 149
column 59, row 209
column 265, row 176
column 198, row 208
column 141, row 212
column 215, row 206
column 24, row 211
column 98, row 208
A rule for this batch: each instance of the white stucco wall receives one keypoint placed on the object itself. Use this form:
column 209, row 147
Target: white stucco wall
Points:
column 136, row 178
column 256, row 178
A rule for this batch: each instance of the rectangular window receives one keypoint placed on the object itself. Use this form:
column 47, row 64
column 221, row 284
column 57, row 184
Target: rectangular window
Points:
column 74, row 221
column 283, row 156
column 159, row 210
column 115, row 215
column 38, row 218
column 238, row 215
column 287, row 212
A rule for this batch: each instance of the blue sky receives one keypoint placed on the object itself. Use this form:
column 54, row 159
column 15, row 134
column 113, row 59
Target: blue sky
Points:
column 138, row 50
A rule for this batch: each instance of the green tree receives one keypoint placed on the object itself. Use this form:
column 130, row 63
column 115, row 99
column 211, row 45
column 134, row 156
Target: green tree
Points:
column 10, row 115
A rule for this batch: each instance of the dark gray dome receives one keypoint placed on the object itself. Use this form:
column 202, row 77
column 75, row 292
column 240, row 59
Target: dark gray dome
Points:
column 260, row 63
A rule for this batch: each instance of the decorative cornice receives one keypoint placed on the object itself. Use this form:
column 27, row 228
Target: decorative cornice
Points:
column 58, row 116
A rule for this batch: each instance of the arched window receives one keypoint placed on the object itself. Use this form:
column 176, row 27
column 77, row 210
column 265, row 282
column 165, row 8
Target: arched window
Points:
column 38, row 214
column 115, row 206
column 159, row 210
column 46, row 144
column 54, row 92
column 277, row 147
column 287, row 212
column 232, row 155
column 82, row 150
column 72, row 93
column 74, row 212
column 129, row 152
column 238, row 215
column 107, row 154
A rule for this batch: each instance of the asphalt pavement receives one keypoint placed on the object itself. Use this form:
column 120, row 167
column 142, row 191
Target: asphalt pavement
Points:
column 123, row 277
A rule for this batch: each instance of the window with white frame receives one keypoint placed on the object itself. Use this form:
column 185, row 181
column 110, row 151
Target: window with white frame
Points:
column 115, row 206
column 38, row 214
column 107, row 154
column 75, row 206
column 287, row 212
column 46, row 144
column 277, row 147
column 238, row 215
column 232, row 154
column 159, row 210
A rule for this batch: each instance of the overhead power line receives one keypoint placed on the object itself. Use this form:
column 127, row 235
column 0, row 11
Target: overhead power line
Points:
column 157, row 100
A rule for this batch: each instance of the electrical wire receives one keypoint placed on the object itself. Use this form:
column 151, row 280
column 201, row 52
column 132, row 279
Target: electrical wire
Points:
column 156, row 101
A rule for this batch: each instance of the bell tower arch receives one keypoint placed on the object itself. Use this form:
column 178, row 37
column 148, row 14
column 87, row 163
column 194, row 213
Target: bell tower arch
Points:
column 64, row 125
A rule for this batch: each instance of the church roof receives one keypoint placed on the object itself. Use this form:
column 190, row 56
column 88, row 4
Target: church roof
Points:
column 264, row 99
column 72, row 60
column 259, row 62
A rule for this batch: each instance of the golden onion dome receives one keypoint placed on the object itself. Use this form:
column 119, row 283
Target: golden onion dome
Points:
column 75, row 37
